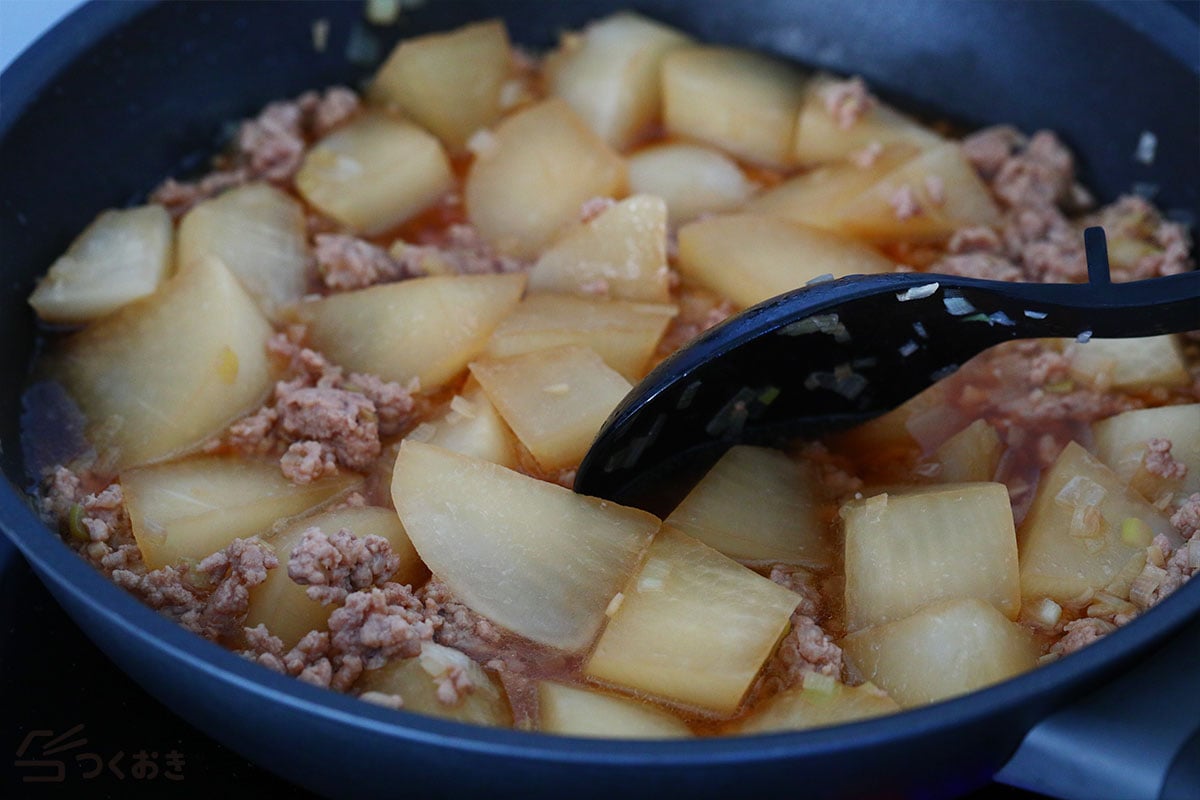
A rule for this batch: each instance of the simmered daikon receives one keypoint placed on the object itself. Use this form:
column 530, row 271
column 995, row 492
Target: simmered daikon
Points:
column 575, row 711
column 757, row 504
column 823, row 134
column 122, row 256
column 818, row 702
column 258, row 232
column 750, row 258
column 1128, row 363
column 623, row 334
column 374, row 173
column 691, row 179
column 532, row 175
column 742, row 102
column 946, row 649
column 1083, row 528
column 531, row 556
column 450, row 82
column 164, row 373
column 433, row 683
column 424, row 328
column 555, row 400
column 621, row 253
column 1122, row 442
column 610, row 74
column 192, row 508
column 907, row 549
column 473, row 427
column 692, row 626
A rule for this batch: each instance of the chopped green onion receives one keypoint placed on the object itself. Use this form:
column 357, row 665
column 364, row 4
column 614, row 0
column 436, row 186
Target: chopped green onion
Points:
column 75, row 524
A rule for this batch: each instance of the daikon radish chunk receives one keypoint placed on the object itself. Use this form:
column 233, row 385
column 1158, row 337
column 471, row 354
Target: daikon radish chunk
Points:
column 531, row 556
column 692, row 626
column 946, row 649
column 815, row 705
column 1128, row 363
column 424, row 328
column 691, row 178
column 750, row 258
column 195, row 507
column 925, row 199
column 971, row 455
column 823, row 134
column 427, row 683
column 554, row 400
column 622, row 253
column 1084, row 526
column 374, row 173
column 259, row 233
column 610, row 74
column 540, row 166
column 448, row 82
column 473, row 427
column 573, row 711
column 165, row 373
column 281, row 604
column 817, row 197
column 121, row 257
column 905, row 550
column 742, row 102
column 756, row 504
column 625, row 335
column 1121, row 443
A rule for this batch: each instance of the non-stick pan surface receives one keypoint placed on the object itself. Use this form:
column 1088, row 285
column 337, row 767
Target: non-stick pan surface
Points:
column 120, row 95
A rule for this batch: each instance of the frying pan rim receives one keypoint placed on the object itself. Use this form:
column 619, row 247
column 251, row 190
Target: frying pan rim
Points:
column 55, row 563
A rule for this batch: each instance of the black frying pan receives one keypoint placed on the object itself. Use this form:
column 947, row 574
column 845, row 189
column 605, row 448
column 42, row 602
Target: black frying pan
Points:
column 119, row 95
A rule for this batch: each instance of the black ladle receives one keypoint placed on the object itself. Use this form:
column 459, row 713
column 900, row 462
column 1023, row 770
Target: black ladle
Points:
column 836, row 354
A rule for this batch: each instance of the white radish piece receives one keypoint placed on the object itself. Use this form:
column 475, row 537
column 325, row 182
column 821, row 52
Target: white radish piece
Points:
column 946, row 649
column 374, row 173
column 555, row 400
column 611, row 74
column 122, row 256
column 624, row 334
column 423, row 328
column 692, row 627
column 539, row 167
column 756, row 504
column 621, row 253
column 195, row 507
column 259, row 233
column 531, row 556
column 910, row 548
column 576, row 711
column 165, row 373
column 449, row 82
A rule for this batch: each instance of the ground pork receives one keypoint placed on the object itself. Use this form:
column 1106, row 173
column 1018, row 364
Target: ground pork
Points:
column 319, row 418
column 457, row 249
column 334, row 565
column 1158, row 460
column 1141, row 243
column 210, row 598
column 904, row 203
column 846, row 102
column 269, row 146
column 1040, row 174
column 95, row 524
column 344, row 422
column 347, row 262
column 373, row 626
column 1079, row 633
column 989, row 149
column 806, row 647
